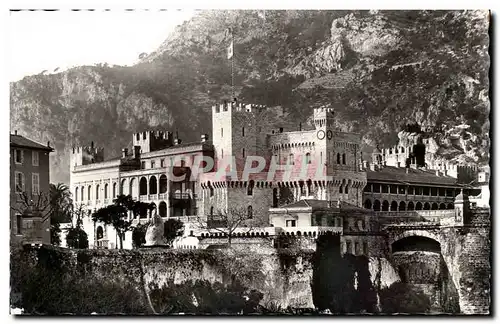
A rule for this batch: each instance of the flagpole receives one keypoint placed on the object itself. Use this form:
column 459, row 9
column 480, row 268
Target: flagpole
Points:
column 232, row 65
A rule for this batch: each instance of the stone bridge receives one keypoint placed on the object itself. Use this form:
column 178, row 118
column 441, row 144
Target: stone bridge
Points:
column 448, row 259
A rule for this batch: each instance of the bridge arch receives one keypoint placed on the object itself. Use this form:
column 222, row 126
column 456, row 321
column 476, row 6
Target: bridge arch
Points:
column 421, row 233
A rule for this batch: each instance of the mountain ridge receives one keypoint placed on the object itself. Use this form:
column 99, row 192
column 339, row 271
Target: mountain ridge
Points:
column 380, row 70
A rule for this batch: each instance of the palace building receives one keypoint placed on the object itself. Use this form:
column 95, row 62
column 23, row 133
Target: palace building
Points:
column 320, row 165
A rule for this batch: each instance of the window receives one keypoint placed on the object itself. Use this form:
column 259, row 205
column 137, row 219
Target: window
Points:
column 211, row 211
column 143, row 165
column 137, row 137
column 291, row 223
column 348, row 247
column 19, row 223
column 338, row 158
column 365, row 248
column 308, row 158
column 89, row 194
column 340, row 189
column 211, row 192
column 250, row 212
column 356, row 248
column 144, row 136
column 243, row 131
column 114, row 190
column 346, row 189
column 243, row 152
column 19, row 156
column 250, row 188
column 152, row 164
column 76, row 194
column 222, row 132
column 19, row 182
column 343, row 158
column 35, row 183
column 34, row 158
column 162, row 163
column 290, row 159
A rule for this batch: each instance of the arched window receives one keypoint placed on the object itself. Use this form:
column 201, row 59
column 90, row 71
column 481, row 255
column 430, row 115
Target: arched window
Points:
column 402, row 206
column 338, row 158
column 137, row 137
column 394, row 206
column 250, row 188
column 153, row 186
column 114, row 189
column 212, row 211
column 308, row 158
column 385, row 205
column 76, row 194
column 143, row 186
column 89, row 192
column 376, row 205
column 346, row 189
column 106, row 187
column 163, row 183
column 82, row 196
column 368, row 204
column 243, row 152
column 99, row 233
column 340, row 189
column 343, row 158
column 290, row 159
column 418, row 206
column 250, row 212
column 242, row 131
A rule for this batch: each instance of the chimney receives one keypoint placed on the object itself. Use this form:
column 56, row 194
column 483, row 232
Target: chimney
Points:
column 204, row 138
column 137, row 152
column 124, row 152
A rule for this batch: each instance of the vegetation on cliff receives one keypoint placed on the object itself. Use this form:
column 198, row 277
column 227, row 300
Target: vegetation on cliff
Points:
column 378, row 69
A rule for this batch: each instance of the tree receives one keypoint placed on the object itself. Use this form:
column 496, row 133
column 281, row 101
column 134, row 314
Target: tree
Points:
column 139, row 235
column 226, row 222
column 61, row 210
column 115, row 215
column 172, row 229
column 76, row 237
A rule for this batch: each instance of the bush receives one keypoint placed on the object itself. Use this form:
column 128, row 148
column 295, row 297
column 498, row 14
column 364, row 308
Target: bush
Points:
column 400, row 298
column 77, row 238
column 203, row 297
column 139, row 235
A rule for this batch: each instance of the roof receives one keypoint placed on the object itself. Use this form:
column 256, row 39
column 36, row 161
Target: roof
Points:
column 316, row 204
column 20, row 141
column 409, row 175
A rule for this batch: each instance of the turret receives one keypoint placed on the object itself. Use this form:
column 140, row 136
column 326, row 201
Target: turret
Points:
column 150, row 141
column 84, row 155
column 323, row 117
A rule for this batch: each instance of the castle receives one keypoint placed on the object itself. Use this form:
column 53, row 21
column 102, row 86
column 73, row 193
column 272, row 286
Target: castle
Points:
column 322, row 164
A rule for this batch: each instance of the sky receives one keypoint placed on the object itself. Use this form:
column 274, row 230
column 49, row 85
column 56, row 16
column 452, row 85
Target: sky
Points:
column 44, row 40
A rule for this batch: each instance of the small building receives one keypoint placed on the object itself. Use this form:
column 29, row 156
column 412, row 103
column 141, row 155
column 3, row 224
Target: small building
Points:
column 29, row 191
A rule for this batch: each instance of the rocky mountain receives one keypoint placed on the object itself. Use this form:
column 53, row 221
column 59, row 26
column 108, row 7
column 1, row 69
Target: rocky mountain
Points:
column 380, row 70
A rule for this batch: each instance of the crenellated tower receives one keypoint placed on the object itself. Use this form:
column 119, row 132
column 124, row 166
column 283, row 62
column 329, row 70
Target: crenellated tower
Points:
column 84, row 155
column 236, row 131
column 150, row 141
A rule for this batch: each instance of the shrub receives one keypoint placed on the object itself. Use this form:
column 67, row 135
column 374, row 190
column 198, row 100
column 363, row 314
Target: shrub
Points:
column 400, row 298
column 77, row 238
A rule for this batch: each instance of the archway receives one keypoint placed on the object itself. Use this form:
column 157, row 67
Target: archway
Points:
column 411, row 206
column 163, row 184
column 434, row 206
column 394, row 206
column 123, row 187
column 133, row 188
column 368, row 204
column 153, row 189
column 376, row 205
column 442, row 206
column 427, row 206
column 162, row 209
column 385, row 206
column 143, row 186
column 99, row 233
column 402, row 206
column 418, row 206
column 451, row 206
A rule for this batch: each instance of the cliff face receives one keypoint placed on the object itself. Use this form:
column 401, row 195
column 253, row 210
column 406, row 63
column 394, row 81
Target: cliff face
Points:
column 378, row 69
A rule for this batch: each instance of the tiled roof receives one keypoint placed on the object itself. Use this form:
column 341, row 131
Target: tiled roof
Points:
column 400, row 175
column 20, row 141
column 323, row 204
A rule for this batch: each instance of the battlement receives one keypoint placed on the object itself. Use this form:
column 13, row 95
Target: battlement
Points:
column 323, row 110
column 153, row 140
column 237, row 106
column 84, row 155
